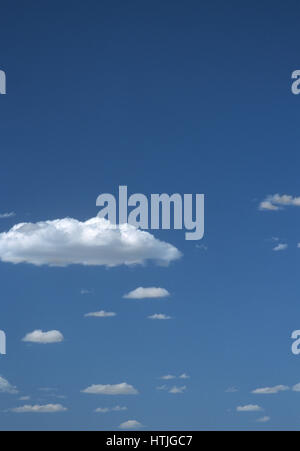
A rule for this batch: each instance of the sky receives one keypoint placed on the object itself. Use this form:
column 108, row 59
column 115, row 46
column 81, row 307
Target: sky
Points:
column 163, row 97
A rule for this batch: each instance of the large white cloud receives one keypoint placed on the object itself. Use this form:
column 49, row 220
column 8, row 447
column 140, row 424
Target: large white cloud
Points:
column 6, row 387
column 147, row 293
column 47, row 408
column 38, row 336
column 117, row 389
column 67, row 241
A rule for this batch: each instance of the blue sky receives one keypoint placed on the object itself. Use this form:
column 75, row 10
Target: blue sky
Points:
column 161, row 96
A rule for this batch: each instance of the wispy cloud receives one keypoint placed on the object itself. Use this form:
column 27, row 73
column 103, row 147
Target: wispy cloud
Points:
column 270, row 390
column 147, row 293
column 46, row 408
column 7, row 215
column 168, row 377
column 159, row 316
column 67, row 241
column 110, row 409
column 38, row 336
column 6, row 387
column 263, row 419
column 101, row 314
column 231, row 390
column 108, row 389
column 184, row 376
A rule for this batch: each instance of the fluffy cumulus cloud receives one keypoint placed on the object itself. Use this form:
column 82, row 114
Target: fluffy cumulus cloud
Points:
column 270, row 390
column 38, row 336
column 277, row 202
column 249, row 408
column 6, row 387
column 159, row 316
column 46, row 408
column 130, row 424
column 117, row 389
column 147, row 293
column 296, row 387
column 67, row 241
column 100, row 314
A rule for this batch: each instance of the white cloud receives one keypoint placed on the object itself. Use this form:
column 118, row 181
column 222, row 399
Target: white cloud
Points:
column 280, row 247
column 277, row 202
column 160, row 316
column 162, row 387
column 130, row 424
column 117, row 389
column 147, row 293
column 296, row 387
column 184, row 376
column 175, row 390
column 249, row 408
column 6, row 387
column 85, row 291
column 46, row 408
column 100, row 314
column 24, row 398
column 7, row 215
column 231, row 390
column 110, row 409
column 168, row 377
column 270, row 390
column 67, row 241
column 38, row 336
column 263, row 419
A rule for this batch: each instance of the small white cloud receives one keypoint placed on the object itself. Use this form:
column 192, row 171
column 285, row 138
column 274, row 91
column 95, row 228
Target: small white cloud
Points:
column 296, row 387
column 263, row 419
column 38, row 336
column 6, row 387
column 249, row 408
column 47, row 408
column 280, row 247
column 131, row 424
column 184, row 376
column 162, row 387
column 100, row 314
column 159, row 316
column 63, row 242
column 168, row 377
column 7, row 215
column 231, row 390
column 175, row 390
column 267, row 205
column 117, row 389
column 147, row 293
column 24, row 398
column 110, row 409
column 85, row 291
column 270, row 390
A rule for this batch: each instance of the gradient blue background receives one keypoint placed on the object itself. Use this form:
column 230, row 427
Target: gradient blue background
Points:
column 161, row 96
